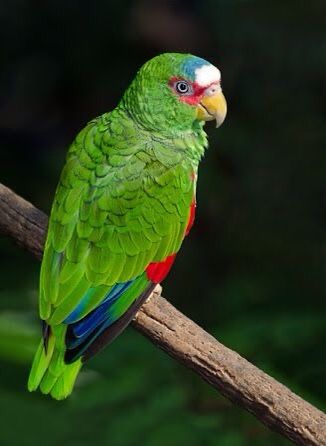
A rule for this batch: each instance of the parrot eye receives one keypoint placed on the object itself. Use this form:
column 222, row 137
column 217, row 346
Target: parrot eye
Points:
column 182, row 87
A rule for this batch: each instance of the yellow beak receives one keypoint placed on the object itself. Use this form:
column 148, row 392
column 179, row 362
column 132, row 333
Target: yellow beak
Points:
column 212, row 107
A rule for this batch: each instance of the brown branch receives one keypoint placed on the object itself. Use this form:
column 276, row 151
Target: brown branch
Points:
column 243, row 383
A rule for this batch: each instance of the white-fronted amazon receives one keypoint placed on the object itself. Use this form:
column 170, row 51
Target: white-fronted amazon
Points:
column 123, row 205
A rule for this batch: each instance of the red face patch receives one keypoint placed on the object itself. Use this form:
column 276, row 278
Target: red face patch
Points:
column 192, row 95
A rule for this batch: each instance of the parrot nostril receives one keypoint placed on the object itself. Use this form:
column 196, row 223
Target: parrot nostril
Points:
column 213, row 89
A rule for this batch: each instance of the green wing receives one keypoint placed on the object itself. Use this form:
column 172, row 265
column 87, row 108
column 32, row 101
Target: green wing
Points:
column 118, row 207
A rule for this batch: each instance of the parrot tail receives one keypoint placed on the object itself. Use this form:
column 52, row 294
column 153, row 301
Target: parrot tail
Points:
column 49, row 371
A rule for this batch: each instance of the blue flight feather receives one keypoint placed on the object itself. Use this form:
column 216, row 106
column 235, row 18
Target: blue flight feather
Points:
column 112, row 295
column 85, row 326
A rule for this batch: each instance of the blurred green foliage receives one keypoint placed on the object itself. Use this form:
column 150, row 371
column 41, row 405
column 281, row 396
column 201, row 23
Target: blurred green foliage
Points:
column 253, row 270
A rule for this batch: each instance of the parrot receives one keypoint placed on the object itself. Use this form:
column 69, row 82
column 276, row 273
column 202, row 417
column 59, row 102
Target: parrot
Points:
column 125, row 201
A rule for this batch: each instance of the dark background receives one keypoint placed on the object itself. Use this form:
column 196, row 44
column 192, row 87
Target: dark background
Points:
column 253, row 270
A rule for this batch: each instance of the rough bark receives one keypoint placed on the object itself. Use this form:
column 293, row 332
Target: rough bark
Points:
column 236, row 378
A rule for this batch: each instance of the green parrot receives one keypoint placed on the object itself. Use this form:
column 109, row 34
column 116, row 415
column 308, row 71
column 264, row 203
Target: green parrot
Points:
column 124, row 203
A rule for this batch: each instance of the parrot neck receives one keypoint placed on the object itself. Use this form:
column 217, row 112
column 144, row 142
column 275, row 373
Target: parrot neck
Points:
column 185, row 142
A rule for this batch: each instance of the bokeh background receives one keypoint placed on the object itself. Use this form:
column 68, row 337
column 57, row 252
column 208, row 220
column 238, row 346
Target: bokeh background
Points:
column 253, row 270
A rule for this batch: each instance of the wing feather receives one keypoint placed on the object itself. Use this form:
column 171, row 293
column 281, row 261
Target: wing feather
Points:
column 111, row 218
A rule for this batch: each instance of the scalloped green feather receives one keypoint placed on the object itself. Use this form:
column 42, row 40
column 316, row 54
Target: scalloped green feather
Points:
column 60, row 234
column 117, row 264
column 77, row 249
column 65, row 288
column 69, row 269
column 84, row 229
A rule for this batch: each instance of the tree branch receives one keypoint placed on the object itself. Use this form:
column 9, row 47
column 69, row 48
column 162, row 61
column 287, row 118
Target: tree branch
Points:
column 241, row 382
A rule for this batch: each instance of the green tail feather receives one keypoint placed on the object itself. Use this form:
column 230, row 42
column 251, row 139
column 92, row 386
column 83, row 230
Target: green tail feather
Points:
column 49, row 372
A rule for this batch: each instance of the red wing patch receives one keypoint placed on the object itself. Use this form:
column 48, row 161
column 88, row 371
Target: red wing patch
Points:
column 157, row 271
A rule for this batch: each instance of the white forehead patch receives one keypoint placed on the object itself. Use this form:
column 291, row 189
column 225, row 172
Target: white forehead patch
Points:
column 206, row 75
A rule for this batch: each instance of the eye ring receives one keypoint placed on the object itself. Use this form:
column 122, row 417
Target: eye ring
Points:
column 182, row 87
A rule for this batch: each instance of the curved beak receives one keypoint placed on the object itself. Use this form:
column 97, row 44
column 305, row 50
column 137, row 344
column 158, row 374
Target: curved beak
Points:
column 212, row 106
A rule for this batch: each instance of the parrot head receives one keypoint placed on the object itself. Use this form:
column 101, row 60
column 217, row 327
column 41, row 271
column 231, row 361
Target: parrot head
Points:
column 176, row 92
